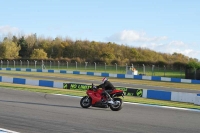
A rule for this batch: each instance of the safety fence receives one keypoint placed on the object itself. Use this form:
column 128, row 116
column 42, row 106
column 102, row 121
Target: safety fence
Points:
column 144, row 69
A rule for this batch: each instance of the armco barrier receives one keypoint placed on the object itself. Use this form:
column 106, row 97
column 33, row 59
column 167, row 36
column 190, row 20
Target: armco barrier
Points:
column 146, row 93
column 140, row 77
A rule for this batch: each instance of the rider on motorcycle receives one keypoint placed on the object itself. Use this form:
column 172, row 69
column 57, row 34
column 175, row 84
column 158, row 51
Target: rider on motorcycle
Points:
column 107, row 87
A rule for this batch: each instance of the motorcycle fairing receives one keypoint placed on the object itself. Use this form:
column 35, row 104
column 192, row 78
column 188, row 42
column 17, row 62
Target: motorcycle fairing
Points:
column 95, row 95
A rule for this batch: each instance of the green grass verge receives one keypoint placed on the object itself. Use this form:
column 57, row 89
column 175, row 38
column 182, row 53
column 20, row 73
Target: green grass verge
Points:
column 48, row 90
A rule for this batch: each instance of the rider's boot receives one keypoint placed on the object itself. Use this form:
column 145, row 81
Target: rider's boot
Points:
column 110, row 101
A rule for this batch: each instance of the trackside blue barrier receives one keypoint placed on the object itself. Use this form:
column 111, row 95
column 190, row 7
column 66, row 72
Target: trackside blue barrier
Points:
column 195, row 82
column 175, row 80
column 8, row 69
column 51, row 71
column 159, row 95
column 19, row 81
column 90, row 73
column 63, row 71
column 156, row 78
column 120, row 75
column 39, row 70
column 105, row 74
column 18, row 69
column 46, row 83
column 28, row 69
column 76, row 72
column 139, row 77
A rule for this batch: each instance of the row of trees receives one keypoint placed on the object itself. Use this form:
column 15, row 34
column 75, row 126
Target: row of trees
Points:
column 33, row 47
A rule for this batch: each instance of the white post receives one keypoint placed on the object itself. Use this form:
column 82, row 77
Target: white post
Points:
column 14, row 63
column 143, row 69
column 20, row 63
column 42, row 65
column 28, row 63
column 152, row 70
column 35, row 63
column 76, row 65
column 164, row 70
column 67, row 64
column 126, row 68
column 86, row 65
column 116, row 66
column 95, row 66
column 58, row 64
column 7, row 63
column 1, row 63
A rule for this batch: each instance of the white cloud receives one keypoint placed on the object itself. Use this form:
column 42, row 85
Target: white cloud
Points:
column 175, row 46
column 141, row 39
column 8, row 29
column 129, row 36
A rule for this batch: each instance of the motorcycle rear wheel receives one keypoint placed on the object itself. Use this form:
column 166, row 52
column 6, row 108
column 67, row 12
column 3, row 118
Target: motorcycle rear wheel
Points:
column 86, row 102
column 116, row 107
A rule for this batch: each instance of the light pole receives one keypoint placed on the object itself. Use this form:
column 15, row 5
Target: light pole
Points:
column 67, row 64
column 7, row 63
column 95, row 66
column 14, row 63
column 50, row 64
column 28, row 63
column 105, row 66
column 58, row 64
column 76, row 64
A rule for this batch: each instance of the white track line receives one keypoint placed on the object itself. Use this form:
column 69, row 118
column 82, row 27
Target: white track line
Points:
column 2, row 130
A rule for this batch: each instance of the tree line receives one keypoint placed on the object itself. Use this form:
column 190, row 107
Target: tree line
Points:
column 41, row 48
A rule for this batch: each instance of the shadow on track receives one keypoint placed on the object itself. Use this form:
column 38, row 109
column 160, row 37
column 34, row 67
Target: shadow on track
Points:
column 39, row 104
column 43, row 104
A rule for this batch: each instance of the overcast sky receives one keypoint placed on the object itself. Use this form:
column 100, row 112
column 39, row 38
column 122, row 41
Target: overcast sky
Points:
column 165, row 26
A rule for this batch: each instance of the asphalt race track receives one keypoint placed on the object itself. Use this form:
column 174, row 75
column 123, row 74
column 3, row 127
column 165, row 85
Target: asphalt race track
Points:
column 30, row 112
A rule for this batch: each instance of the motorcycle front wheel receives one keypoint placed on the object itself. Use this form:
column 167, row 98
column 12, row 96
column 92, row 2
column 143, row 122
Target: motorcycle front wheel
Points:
column 118, row 103
column 86, row 102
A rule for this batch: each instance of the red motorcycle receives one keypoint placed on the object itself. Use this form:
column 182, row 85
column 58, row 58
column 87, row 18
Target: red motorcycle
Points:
column 95, row 98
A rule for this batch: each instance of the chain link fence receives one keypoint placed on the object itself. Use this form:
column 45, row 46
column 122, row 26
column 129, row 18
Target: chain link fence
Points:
column 153, row 70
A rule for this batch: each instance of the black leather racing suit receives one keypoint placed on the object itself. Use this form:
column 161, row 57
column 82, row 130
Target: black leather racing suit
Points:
column 107, row 86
